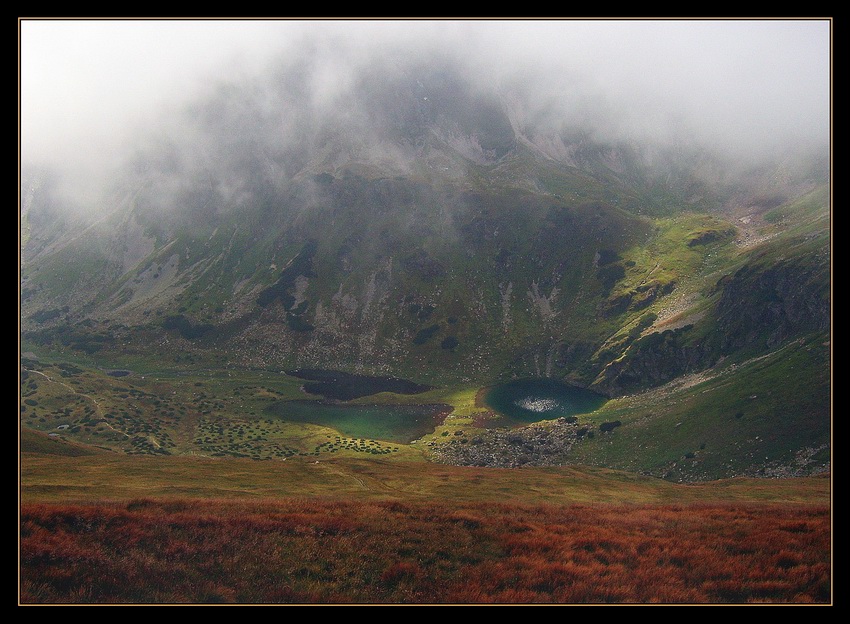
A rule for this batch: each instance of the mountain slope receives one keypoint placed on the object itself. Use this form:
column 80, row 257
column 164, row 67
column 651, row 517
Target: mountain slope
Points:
column 421, row 225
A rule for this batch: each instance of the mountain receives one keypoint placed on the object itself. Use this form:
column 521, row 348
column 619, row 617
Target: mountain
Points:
column 413, row 221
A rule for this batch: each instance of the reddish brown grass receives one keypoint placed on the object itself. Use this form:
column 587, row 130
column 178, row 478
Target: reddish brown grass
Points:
column 323, row 551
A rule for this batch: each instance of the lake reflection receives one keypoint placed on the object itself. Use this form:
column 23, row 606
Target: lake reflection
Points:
column 532, row 400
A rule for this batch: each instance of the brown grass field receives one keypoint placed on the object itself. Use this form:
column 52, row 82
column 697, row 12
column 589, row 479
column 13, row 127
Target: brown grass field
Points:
column 113, row 529
column 335, row 551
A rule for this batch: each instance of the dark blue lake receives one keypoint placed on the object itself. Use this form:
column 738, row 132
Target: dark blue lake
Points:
column 532, row 400
column 342, row 386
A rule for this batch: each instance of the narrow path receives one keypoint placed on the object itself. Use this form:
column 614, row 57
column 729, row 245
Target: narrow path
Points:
column 73, row 390
column 617, row 332
column 340, row 473
column 362, row 483
column 648, row 275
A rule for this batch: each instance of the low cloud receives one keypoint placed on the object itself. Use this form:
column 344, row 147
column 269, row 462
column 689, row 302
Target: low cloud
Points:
column 92, row 91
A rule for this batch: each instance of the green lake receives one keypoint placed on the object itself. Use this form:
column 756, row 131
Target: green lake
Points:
column 532, row 400
column 392, row 423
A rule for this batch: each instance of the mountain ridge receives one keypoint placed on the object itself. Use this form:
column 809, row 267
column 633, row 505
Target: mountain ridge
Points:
column 425, row 228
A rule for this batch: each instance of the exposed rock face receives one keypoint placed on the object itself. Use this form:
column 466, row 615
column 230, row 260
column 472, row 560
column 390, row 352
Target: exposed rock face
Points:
column 654, row 360
column 505, row 300
column 544, row 305
column 760, row 307
column 769, row 304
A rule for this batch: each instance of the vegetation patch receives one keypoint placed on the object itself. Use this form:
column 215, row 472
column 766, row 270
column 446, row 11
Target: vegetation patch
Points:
column 44, row 316
column 186, row 328
column 424, row 335
column 344, row 551
column 449, row 343
column 302, row 264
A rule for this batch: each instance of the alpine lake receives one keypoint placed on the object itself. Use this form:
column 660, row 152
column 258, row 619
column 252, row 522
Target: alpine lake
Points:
column 517, row 402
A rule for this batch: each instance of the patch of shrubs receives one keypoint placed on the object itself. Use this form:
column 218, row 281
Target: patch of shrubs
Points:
column 186, row 328
column 424, row 335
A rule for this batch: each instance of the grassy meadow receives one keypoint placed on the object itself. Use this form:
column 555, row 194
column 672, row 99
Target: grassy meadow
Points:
column 107, row 528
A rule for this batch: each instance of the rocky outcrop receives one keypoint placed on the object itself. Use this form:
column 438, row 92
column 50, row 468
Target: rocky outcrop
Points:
column 540, row 444
column 761, row 306
column 767, row 305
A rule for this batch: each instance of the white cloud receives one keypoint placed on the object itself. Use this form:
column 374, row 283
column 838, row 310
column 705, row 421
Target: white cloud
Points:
column 86, row 84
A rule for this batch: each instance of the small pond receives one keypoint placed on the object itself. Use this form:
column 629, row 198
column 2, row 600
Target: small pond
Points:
column 532, row 400
column 392, row 423
column 347, row 386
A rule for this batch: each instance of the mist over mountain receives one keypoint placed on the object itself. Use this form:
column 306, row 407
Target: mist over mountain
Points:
column 92, row 88
column 620, row 205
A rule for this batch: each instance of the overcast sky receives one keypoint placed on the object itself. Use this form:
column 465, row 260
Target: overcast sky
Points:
column 85, row 83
